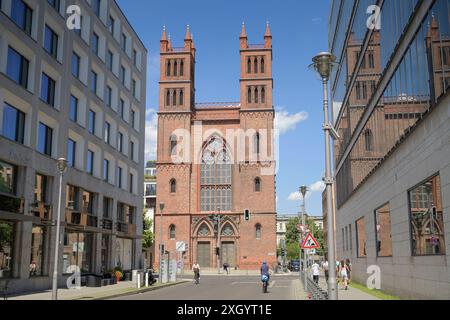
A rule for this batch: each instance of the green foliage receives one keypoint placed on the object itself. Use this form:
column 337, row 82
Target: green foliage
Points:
column 292, row 251
column 6, row 233
column 293, row 235
column 148, row 233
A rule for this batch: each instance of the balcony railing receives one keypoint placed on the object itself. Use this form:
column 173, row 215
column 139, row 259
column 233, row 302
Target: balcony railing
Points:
column 129, row 229
column 81, row 218
column 149, row 193
column 12, row 204
column 42, row 210
column 107, row 224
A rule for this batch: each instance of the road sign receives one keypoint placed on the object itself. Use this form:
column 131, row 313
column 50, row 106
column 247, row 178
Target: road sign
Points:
column 311, row 251
column 310, row 242
column 181, row 246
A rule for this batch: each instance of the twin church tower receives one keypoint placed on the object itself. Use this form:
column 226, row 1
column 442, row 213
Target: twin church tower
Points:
column 215, row 181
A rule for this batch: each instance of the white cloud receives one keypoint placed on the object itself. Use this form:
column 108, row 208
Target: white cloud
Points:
column 151, row 133
column 284, row 121
column 318, row 186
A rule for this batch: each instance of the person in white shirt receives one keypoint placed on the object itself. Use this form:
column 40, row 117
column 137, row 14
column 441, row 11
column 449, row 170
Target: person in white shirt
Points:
column 325, row 269
column 316, row 272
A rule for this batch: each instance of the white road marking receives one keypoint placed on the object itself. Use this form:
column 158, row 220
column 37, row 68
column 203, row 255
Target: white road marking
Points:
column 234, row 283
column 272, row 284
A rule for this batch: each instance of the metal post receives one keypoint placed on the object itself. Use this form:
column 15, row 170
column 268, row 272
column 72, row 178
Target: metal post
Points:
column 303, row 191
column 58, row 223
column 218, row 241
column 332, row 284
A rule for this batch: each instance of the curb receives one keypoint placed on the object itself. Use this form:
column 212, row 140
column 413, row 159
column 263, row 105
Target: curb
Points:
column 130, row 293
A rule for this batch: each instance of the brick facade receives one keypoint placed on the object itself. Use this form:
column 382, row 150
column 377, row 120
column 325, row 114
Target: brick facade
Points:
column 245, row 244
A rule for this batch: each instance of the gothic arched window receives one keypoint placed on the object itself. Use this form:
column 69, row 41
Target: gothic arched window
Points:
column 181, row 68
column 257, row 185
column 227, row 231
column 258, row 231
column 167, row 97
column 262, row 65
column 203, row 231
column 168, row 67
column 172, row 232
column 181, row 97
column 215, row 177
column 255, row 64
column 263, row 95
column 173, row 145
column 257, row 143
column 368, row 140
column 249, row 95
column 174, row 98
column 173, row 186
column 175, row 68
column 256, row 95
column 249, row 65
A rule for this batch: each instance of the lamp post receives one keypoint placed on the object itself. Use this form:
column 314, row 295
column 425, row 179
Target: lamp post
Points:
column 161, row 207
column 303, row 190
column 62, row 166
column 323, row 63
column 215, row 218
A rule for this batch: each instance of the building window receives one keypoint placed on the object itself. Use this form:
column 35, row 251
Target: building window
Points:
column 107, row 208
column 106, row 170
column 175, row 68
column 371, row 60
column 167, row 98
column 108, row 96
column 133, row 119
column 22, row 15
column 181, row 68
column 368, row 140
column 168, row 68
column 93, row 81
column 107, row 132
column 78, row 251
column 96, row 7
column 13, row 123
column 51, row 42
column 109, row 60
column 181, row 97
column 256, row 97
column 73, row 109
column 215, row 177
column 257, row 185
column 8, row 177
column 249, row 95
column 122, row 75
column 119, row 177
column 263, row 95
column 249, row 65
column 383, row 231
column 172, row 232
column 17, row 67
column 255, row 65
column 94, row 43
column 91, row 122
column 48, row 89
column 132, row 150
column 131, row 182
column 37, row 251
column 90, row 162
column 203, row 231
column 111, row 23
column 426, row 218
column 121, row 108
column 361, row 238
column 45, row 138
column 120, row 142
column 71, row 152
column 134, row 57
column 173, row 186
column 174, row 98
column 257, row 144
column 358, row 90
column 173, row 146
column 88, row 202
column 72, row 200
column 75, row 65
column 262, row 65
column 6, row 249
column 40, row 188
column 258, row 231
column 133, row 87
column 124, row 42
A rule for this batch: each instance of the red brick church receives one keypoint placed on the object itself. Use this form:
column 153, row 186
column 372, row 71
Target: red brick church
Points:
column 217, row 159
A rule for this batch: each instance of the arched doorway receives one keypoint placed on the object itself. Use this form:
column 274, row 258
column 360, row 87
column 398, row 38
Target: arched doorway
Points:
column 204, row 246
column 228, row 245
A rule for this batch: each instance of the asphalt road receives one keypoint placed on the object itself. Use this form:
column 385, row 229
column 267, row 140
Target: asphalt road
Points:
column 224, row 288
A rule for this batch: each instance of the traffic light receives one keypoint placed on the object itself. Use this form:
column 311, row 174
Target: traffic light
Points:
column 217, row 251
column 247, row 215
column 162, row 248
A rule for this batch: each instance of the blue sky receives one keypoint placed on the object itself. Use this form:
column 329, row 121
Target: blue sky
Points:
column 299, row 30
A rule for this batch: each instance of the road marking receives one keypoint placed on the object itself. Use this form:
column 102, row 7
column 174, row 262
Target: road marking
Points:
column 272, row 284
column 234, row 283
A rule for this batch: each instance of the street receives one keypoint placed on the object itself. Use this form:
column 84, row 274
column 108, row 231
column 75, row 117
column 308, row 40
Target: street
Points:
column 226, row 288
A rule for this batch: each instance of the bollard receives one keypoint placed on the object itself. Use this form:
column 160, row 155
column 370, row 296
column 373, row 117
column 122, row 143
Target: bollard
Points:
column 138, row 280
column 146, row 279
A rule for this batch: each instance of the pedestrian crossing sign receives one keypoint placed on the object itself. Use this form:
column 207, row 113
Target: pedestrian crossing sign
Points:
column 310, row 242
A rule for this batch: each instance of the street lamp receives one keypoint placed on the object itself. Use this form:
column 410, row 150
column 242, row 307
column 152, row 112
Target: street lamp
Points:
column 161, row 207
column 323, row 63
column 62, row 166
column 216, row 219
column 303, row 190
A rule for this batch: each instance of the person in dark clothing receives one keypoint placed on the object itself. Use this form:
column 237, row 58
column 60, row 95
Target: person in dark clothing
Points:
column 226, row 268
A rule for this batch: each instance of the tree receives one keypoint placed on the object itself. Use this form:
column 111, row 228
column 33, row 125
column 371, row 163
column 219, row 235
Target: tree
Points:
column 293, row 235
column 148, row 233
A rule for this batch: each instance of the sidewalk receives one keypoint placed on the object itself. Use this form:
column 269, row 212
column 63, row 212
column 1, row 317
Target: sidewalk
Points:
column 121, row 289
column 349, row 294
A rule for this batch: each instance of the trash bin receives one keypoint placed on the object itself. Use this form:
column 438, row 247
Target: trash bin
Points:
column 93, row 281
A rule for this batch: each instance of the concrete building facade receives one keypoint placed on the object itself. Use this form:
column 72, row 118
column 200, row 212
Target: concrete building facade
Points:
column 392, row 109
column 203, row 171
column 75, row 94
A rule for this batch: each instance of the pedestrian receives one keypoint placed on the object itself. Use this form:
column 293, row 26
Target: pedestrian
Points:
column 226, row 268
column 196, row 269
column 325, row 269
column 344, row 274
column 316, row 272
column 33, row 268
column 349, row 269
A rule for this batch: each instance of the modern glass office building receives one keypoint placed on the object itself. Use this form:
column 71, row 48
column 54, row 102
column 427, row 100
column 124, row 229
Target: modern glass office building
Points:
column 61, row 96
column 391, row 108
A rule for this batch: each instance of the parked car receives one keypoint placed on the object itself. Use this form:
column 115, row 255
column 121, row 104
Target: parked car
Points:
column 294, row 265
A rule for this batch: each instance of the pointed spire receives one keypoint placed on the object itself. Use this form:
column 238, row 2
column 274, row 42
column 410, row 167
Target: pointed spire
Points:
column 164, row 35
column 243, row 33
column 267, row 34
column 188, row 33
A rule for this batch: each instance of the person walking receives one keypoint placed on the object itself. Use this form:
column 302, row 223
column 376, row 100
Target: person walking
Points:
column 226, row 268
column 316, row 272
column 196, row 269
column 325, row 269
column 344, row 274
column 349, row 269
